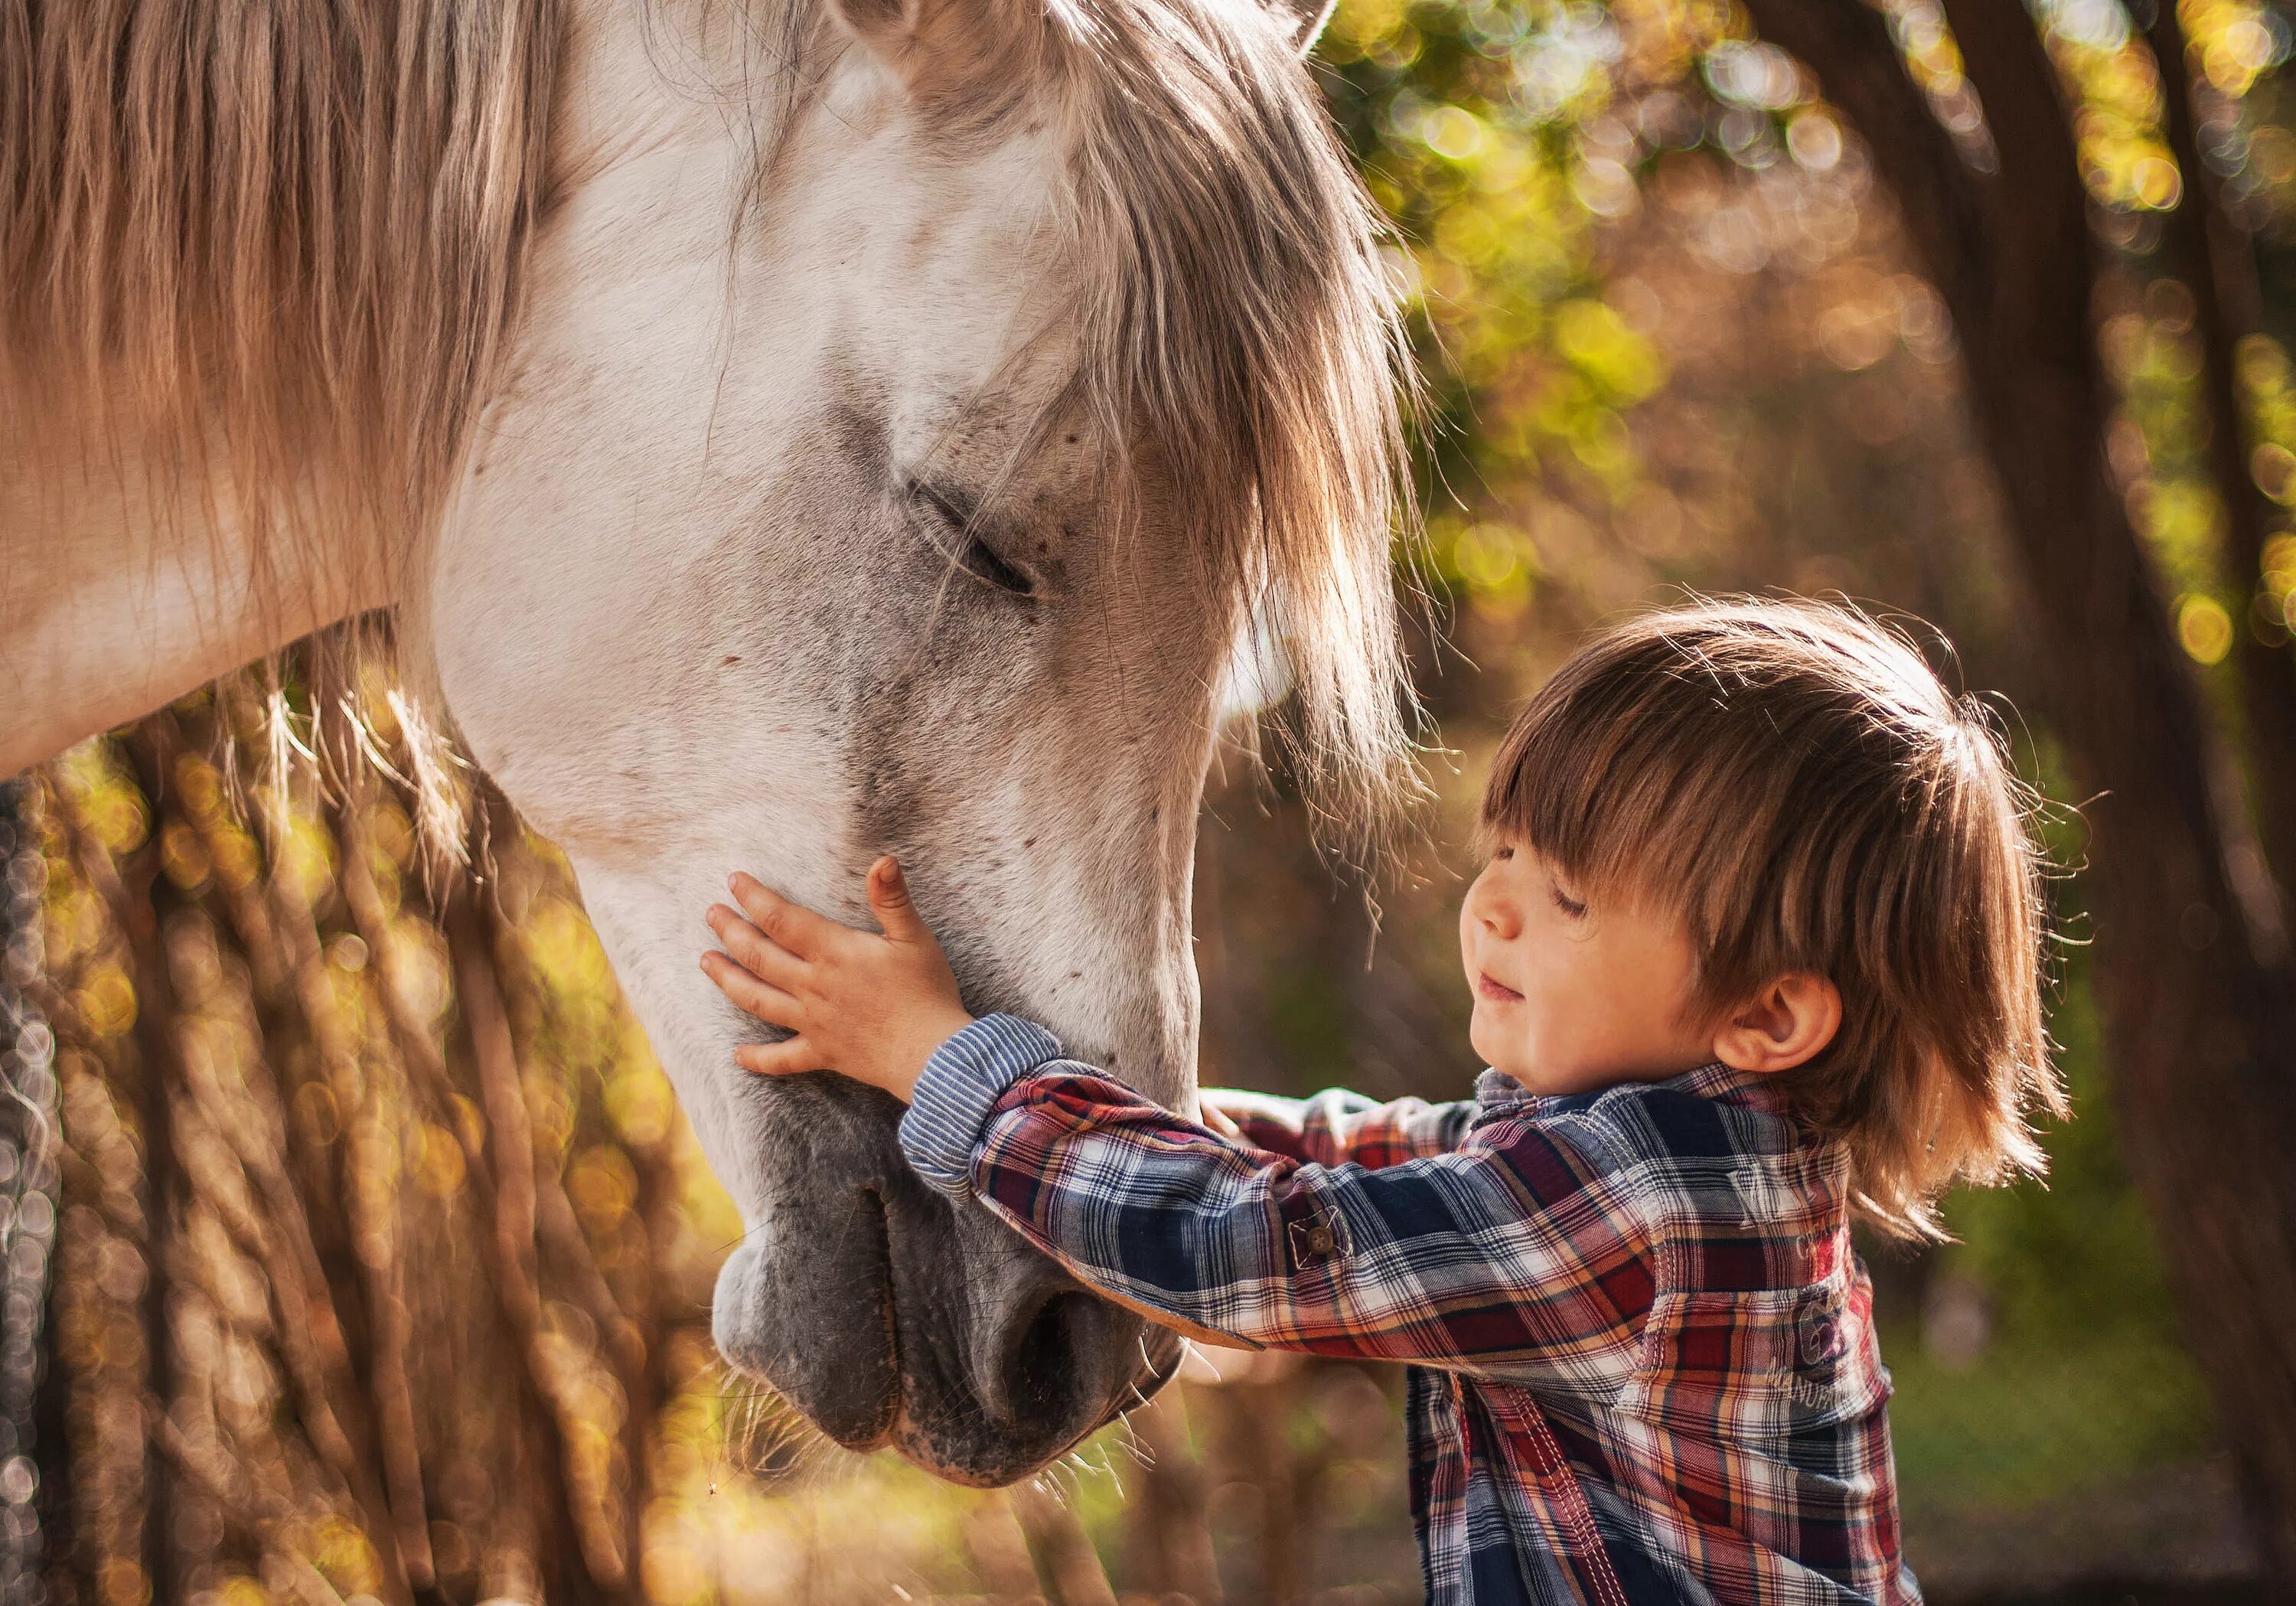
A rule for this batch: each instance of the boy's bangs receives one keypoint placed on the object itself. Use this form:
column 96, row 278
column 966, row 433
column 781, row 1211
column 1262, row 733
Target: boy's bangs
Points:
column 1605, row 789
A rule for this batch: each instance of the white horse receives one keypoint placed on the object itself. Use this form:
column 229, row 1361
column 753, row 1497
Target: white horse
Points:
column 787, row 430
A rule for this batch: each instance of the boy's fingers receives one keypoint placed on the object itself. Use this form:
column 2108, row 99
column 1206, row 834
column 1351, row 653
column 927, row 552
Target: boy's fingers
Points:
column 755, row 950
column 783, row 1058
column 889, row 899
column 794, row 929
column 749, row 995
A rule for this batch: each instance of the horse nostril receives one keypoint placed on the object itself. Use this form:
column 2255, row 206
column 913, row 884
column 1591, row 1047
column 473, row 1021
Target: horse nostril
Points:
column 1038, row 1374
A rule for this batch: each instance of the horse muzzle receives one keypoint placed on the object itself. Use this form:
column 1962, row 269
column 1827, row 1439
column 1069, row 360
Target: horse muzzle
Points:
column 891, row 1317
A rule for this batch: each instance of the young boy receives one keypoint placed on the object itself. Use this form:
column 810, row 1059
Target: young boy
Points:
column 1756, row 951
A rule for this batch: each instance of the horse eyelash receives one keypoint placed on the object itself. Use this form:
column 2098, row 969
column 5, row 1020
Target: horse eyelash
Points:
column 977, row 557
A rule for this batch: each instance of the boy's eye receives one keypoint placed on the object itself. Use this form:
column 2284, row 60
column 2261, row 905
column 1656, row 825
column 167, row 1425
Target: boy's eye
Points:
column 1502, row 854
column 1568, row 904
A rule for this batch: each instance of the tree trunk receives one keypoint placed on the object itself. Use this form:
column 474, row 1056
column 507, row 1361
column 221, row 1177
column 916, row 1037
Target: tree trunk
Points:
column 141, row 909
column 2193, row 964
column 33, row 1513
column 2216, row 259
column 1169, row 1538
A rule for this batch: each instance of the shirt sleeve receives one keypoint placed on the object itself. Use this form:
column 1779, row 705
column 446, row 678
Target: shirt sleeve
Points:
column 1336, row 1127
column 1517, row 1251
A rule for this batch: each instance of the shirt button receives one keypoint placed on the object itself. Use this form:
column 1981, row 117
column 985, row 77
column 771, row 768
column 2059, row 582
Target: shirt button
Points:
column 1319, row 1240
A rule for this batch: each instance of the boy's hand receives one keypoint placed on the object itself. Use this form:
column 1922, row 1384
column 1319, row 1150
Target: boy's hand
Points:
column 873, row 1007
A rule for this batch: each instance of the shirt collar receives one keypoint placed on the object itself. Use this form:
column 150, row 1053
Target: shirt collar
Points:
column 1496, row 1091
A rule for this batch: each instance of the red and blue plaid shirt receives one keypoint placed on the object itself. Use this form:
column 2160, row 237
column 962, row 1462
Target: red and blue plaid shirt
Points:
column 1642, row 1351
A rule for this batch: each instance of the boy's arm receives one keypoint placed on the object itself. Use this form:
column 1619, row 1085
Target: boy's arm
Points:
column 1336, row 1127
column 1516, row 1249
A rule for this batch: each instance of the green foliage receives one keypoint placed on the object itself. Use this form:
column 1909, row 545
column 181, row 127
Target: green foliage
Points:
column 2039, row 1423
column 1485, row 132
column 2083, row 1381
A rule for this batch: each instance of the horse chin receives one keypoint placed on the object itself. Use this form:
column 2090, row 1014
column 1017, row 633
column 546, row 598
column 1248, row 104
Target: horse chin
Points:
column 989, row 1450
column 854, row 1400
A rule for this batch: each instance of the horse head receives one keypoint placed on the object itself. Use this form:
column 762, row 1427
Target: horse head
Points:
column 918, row 512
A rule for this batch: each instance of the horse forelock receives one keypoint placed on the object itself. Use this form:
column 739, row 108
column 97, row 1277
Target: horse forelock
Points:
column 1234, row 323
column 1238, row 317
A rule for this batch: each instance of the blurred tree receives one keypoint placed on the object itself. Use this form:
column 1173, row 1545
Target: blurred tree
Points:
column 2191, row 929
column 284, row 1137
column 33, row 1526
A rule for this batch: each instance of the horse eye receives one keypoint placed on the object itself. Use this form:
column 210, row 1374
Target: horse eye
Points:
column 980, row 558
column 961, row 515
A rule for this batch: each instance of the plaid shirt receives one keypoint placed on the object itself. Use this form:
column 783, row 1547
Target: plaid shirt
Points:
column 1644, row 1367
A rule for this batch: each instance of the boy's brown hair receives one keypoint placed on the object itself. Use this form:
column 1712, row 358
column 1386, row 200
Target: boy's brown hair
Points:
column 1793, row 780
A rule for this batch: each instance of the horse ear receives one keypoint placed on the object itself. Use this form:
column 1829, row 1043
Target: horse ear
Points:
column 935, row 46
column 1307, row 17
column 939, row 45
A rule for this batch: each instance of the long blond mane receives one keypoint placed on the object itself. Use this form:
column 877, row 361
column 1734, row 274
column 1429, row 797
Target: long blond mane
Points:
column 283, row 234
column 289, row 235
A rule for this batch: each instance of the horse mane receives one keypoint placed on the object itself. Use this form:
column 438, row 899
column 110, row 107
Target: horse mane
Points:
column 281, row 236
column 291, row 235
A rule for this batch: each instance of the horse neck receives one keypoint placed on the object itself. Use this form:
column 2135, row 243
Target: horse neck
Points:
column 127, row 577
column 204, row 454
column 132, row 571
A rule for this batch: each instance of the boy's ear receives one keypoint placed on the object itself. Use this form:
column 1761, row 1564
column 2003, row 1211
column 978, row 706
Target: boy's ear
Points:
column 1788, row 1023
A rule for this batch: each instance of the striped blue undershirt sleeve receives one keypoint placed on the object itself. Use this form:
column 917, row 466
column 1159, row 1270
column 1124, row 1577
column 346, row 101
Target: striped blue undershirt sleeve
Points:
column 959, row 1086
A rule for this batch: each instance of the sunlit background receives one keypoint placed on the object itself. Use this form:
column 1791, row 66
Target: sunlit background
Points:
column 383, row 1258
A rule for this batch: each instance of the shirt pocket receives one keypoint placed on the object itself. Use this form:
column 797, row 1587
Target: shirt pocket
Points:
column 1756, row 1365
column 1835, row 1373
column 1715, row 1364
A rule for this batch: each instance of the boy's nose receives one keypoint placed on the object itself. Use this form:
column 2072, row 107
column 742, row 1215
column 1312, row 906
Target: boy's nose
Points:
column 1488, row 908
column 1497, row 915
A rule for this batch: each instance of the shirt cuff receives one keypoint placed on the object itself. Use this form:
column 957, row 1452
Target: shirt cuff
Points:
column 957, row 1092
